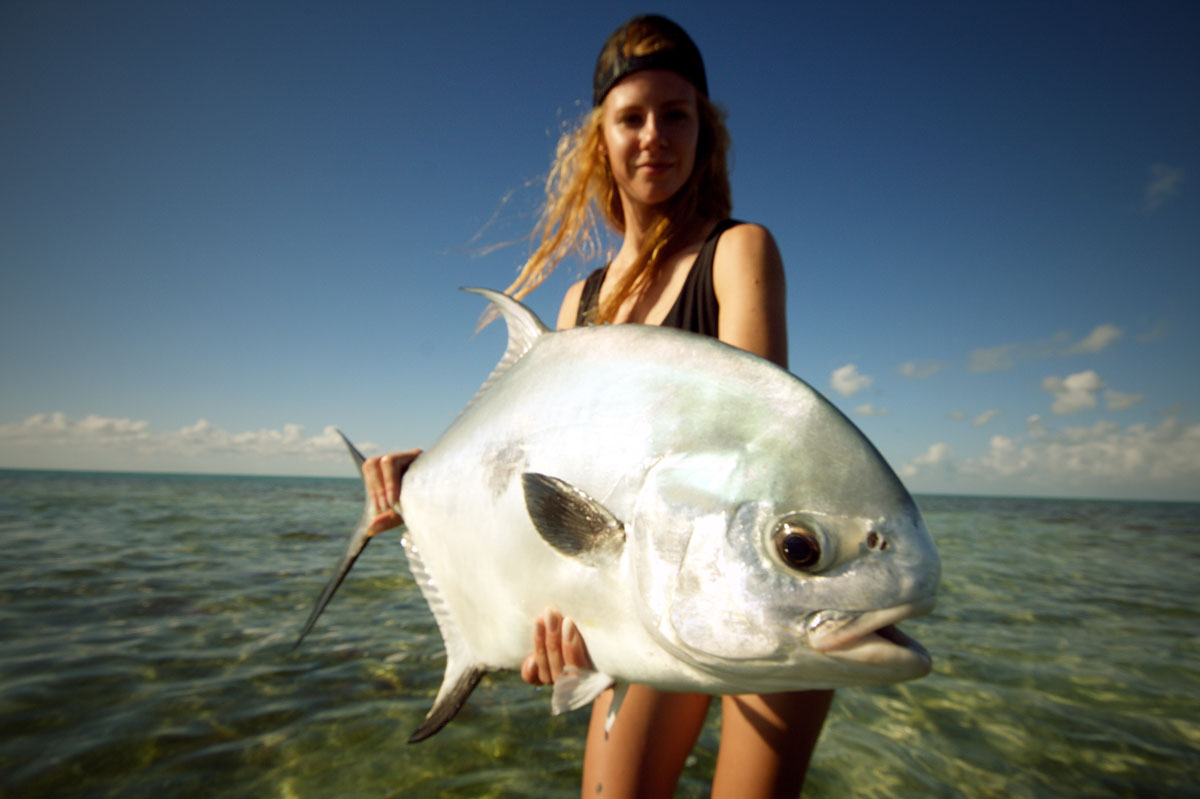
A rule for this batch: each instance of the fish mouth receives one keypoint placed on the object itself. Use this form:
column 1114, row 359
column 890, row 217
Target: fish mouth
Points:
column 871, row 638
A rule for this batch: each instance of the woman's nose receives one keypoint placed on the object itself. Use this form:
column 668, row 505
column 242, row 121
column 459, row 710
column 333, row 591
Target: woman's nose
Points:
column 652, row 134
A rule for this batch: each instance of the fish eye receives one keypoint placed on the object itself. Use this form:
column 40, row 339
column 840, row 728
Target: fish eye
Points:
column 798, row 546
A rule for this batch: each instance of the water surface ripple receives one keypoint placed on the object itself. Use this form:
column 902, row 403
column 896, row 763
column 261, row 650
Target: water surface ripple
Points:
column 146, row 623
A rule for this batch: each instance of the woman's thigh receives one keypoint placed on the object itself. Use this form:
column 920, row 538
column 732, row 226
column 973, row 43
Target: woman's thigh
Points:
column 644, row 753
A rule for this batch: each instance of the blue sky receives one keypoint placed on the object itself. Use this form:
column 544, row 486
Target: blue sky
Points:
column 225, row 227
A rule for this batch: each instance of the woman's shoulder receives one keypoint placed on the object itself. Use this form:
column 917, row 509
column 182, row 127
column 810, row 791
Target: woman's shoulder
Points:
column 751, row 292
column 747, row 234
column 747, row 252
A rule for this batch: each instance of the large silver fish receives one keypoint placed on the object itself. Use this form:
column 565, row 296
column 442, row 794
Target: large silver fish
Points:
column 709, row 522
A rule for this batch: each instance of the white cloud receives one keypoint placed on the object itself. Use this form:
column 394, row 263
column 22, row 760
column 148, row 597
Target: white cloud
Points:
column 1035, row 427
column 1174, row 409
column 1101, row 460
column 1159, row 331
column 985, row 417
column 56, row 428
column 1097, row 340
column 957, row 416
column 847, row 381
column 1100, row 457
column 1075, row 392
column 1163, row 185
column 1116, row 401
column 1005, row 356
column 289, row 440
column 936, row 457
column 992, row 359
column 867, row 409
column 118, row 443
column 920, row 370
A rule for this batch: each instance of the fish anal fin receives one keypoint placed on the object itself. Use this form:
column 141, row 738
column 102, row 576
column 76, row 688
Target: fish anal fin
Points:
column 577, row 687
column 450, row 700
column 569, row 520
column 463, row 670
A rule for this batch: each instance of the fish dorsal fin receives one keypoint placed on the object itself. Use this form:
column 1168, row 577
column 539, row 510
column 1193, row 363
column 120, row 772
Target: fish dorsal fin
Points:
column 570, row 521
column 524, row 329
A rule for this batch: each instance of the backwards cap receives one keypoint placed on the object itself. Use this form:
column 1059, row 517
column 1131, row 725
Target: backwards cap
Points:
column 680, row 56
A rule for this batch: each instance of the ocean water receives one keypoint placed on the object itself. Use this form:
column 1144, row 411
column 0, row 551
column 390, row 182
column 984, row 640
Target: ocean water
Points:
column 146, row 623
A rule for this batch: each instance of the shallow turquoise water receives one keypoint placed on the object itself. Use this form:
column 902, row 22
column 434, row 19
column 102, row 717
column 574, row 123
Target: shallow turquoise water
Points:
column 146, row 623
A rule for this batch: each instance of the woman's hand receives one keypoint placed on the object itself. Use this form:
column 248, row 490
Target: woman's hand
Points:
column 556, row 645
column 383, row 476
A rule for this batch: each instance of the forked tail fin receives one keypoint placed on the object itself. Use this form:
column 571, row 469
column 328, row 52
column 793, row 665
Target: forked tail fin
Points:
column 358, row 542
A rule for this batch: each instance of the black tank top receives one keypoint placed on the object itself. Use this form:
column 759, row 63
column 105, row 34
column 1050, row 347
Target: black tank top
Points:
column 696, row 309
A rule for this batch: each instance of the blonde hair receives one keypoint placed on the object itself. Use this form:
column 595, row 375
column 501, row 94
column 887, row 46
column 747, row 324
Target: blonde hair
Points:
column 581, row 183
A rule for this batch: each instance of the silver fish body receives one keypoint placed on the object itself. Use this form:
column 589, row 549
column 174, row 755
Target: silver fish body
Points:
column 708, row 521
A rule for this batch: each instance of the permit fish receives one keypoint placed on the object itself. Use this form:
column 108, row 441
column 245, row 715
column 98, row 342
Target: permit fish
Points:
column 708, row 521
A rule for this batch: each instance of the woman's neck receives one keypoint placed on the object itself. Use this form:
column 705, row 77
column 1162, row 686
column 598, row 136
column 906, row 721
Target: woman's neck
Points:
column 638, row 223
column 637, row 232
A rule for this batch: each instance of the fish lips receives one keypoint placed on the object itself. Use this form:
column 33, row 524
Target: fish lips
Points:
column 869, row 639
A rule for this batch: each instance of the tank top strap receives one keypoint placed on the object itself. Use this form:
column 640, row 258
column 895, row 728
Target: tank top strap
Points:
column 589, row 299
column 696, row 309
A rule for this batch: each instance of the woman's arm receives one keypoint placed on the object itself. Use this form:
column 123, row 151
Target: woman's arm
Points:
column 766, row 741
column 569, row 310
column 752, row 292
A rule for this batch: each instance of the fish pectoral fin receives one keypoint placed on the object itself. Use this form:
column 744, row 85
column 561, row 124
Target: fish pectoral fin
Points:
column 455, row 690
column 569, row 520
column 576, row 687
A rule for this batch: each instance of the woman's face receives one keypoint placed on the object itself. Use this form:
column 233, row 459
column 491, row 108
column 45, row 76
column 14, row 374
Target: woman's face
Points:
column 651, row 127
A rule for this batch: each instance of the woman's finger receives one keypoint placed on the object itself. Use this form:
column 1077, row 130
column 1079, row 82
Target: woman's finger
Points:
column 389, row 470
column 541, row 661
column 529, row 670
column 384, row 521
column 554, row 654
column 574, row 650
column 373, row 480
column 383, row 477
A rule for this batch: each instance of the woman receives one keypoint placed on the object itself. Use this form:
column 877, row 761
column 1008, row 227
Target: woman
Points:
column 651, row 156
